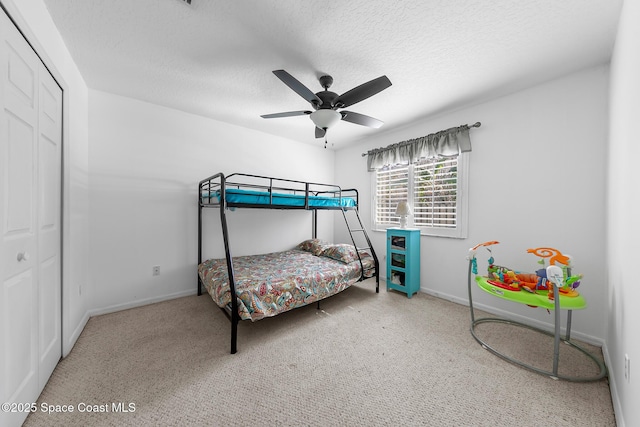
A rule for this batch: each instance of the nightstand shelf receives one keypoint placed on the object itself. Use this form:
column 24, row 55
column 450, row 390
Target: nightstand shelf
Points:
column 403, row 260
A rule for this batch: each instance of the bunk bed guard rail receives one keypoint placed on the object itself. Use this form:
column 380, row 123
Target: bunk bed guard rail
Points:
column 244, row 190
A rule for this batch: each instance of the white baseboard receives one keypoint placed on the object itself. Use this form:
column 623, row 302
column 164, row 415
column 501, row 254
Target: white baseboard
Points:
column 139, row 303
column 589, row 339
column 615, row 397
column 69, row 343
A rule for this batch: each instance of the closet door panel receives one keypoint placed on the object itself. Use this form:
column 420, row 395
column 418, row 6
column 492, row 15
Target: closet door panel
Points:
column 19, row 366
column 19, row 176
column 49, row 244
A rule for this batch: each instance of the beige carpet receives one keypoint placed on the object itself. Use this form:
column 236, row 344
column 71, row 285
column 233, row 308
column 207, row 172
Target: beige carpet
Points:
column 363, row 359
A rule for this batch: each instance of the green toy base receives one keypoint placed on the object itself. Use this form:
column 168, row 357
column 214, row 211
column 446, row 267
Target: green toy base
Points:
column 537, row 299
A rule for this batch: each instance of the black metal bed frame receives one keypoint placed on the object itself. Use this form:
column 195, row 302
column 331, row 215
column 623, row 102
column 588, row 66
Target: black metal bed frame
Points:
column 212, row 194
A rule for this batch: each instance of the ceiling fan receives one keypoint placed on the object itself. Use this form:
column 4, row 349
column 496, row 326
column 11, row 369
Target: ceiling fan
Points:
column 326, row 103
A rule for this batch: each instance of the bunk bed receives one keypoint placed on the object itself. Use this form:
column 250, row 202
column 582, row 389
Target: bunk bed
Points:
column 258, row 286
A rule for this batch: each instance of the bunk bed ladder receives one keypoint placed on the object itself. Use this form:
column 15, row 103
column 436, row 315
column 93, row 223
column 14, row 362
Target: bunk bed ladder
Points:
column 369, row 246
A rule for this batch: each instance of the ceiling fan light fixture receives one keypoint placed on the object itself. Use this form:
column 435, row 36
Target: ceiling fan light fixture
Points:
column 325, row 118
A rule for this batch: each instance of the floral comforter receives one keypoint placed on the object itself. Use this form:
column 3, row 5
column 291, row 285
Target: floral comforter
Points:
column 272, row 283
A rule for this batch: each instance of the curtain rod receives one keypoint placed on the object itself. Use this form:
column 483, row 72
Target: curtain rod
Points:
column 475, row 125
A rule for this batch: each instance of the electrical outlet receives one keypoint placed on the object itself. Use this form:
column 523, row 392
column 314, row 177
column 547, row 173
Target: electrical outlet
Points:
column 156, row 270
column 627, row 368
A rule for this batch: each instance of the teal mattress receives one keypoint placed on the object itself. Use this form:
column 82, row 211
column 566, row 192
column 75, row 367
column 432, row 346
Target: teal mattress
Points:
column 248, row 197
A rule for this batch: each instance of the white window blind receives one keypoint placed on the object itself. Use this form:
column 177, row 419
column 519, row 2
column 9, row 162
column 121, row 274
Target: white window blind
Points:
column 392, row 186
column 435, row 193
column 435, row 189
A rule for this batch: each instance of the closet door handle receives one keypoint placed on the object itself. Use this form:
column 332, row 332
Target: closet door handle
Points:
column 23, row 256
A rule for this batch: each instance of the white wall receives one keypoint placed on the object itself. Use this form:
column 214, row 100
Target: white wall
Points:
column 143, row 197
column 624, row 210
column 34, row 21
column 537, row 178
column 145, row 165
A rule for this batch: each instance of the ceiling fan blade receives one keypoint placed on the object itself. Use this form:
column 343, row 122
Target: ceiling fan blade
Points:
column 285, row 114
column 320, row 132
column 361, row 119
column 297, row 87
column 362, row 92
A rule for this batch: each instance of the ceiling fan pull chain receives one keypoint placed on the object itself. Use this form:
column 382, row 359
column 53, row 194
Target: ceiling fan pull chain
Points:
column 325, row 141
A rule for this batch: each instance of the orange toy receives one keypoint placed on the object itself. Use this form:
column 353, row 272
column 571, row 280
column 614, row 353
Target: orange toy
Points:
column 554, row 256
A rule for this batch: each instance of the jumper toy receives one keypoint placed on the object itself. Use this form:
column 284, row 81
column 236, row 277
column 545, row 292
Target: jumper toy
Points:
column 552, row 287
column 533, row 289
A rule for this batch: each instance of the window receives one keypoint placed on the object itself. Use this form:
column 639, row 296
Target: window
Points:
column 436, row 190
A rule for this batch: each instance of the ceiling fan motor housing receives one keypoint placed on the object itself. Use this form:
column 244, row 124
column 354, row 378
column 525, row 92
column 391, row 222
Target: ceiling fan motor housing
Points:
column 327, row 97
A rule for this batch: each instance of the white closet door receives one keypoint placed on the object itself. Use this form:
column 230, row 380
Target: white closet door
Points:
column 49, row 233
column 30, row 179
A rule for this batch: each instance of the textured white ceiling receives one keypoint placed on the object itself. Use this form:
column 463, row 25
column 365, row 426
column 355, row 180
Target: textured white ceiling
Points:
column 214, row 57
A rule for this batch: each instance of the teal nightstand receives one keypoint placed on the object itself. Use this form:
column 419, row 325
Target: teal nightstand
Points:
column 403, row 260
